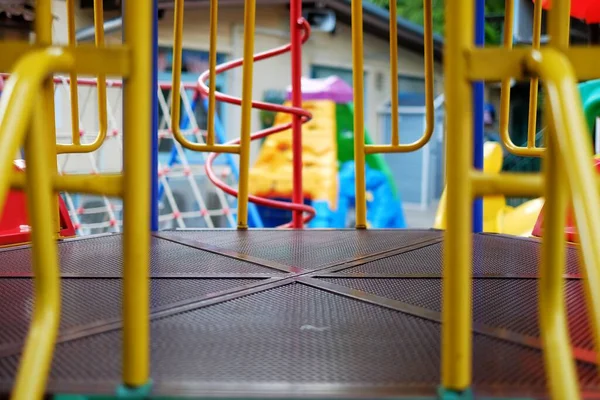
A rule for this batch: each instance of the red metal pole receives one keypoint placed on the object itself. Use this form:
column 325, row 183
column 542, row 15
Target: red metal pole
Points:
column 296, row 54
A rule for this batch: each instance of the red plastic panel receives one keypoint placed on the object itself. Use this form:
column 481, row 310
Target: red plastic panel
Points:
column 570, row 229
column 14, row 219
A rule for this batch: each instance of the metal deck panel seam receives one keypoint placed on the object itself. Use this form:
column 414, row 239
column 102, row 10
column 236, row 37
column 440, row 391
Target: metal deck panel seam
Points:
column 226, row 253
column 579, row 354
column 104, row 256
column 60, row 241
column 225, row 275
column 363, row 275
column 351, row 261
column 110, row 324
column 506, row 379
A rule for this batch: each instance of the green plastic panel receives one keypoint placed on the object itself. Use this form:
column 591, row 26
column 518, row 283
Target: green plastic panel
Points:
column 590, row 97
column 344, row 114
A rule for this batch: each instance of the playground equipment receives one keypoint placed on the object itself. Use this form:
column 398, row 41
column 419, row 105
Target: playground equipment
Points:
column 498, row 217
column 527, row 218
column 328, row 167
column 586, row 10
column 201, row 189
column 570, row 226
column 14, row 221
column 293, row 312
column 186, row 198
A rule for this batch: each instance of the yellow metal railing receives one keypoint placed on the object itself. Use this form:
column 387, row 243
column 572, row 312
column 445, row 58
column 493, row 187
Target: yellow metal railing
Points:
column 16, row 106
column 243, row 148
column 568, row 172
column 43, row 33
column 530, row 150
column 14, row 121
column 360, row 148
column 137, row 127
column 568, row 146
column 33, row 66
column 76, row 146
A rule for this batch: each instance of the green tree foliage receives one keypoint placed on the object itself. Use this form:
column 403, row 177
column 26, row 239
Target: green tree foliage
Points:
column 412, row 10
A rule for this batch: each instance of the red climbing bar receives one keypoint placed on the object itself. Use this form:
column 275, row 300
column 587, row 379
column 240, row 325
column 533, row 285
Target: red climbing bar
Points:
column 296, row 53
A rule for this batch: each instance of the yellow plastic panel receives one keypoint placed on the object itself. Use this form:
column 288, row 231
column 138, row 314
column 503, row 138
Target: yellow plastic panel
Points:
column 271, row 176
column 520, row 220
column 493, row 206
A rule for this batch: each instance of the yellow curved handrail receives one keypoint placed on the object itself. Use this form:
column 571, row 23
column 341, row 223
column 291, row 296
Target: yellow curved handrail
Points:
column 76, row 146
column 210, row 145
column 395, row 146
column 16, row 105
column 360, row 148
column 569, row 151
column 530, row 150
column 15, row 116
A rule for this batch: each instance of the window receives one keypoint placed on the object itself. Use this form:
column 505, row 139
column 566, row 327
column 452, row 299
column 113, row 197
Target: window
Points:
column 411, row 84
column 320, row 71
column 411, row 92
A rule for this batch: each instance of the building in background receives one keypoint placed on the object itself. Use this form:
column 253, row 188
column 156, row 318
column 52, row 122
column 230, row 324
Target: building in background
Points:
column 328, row 52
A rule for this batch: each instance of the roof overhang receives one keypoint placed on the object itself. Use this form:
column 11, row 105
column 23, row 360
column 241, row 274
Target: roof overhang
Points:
column 375, row 20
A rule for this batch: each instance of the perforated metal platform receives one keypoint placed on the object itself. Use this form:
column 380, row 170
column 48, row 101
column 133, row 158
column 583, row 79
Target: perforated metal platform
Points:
column 294, row 314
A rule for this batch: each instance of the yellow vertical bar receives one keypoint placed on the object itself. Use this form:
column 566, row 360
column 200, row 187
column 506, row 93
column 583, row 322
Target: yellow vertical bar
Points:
column 37, row 355
column 359, row 118
column 73, row 87
column 212, row 59
column 560, row 367
column 509, row 11
column 534, row 83
column 247, row 77
column 429, row 63
column 176, row 65
column 456, row 313
column 570, row 138
column 394, row 72
column 43, row 36
column 137, row 113
column 101, row 83
column 559, row 24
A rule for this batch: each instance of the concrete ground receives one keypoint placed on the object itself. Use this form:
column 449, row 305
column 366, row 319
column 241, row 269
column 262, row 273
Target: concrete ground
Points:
column 418, row 218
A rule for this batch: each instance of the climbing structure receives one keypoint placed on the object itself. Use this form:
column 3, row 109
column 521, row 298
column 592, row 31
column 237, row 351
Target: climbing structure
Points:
column 328, row 167
column 186, row 197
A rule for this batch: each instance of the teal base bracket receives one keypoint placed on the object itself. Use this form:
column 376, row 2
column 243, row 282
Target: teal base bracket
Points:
column 122, row 392
column 447, row 394
column 139, row 392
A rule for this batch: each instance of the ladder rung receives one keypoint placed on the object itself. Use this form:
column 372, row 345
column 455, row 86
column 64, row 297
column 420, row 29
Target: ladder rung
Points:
column 494, row 64
column 89, row 60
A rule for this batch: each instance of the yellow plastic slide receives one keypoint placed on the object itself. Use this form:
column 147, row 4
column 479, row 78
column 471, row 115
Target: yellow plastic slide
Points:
column 497, row 216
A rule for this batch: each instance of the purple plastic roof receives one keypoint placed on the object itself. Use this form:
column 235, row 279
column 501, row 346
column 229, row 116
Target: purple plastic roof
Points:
column 331, row 88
